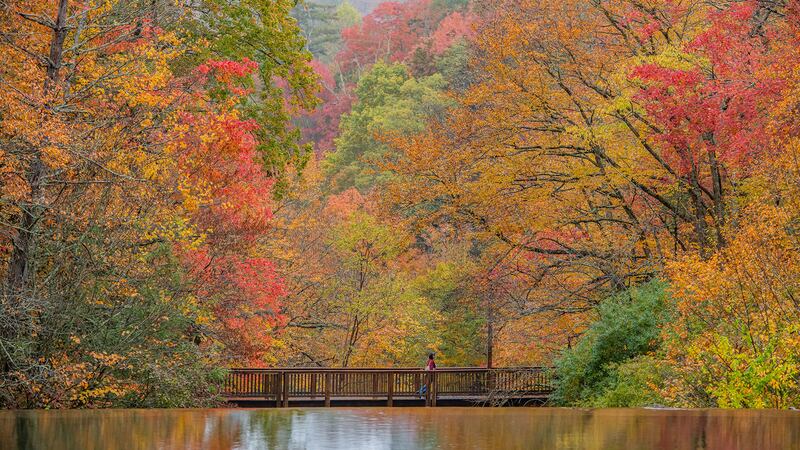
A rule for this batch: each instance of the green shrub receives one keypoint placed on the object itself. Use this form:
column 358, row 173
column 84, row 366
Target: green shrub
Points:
column 635, row 382
column 595, row 370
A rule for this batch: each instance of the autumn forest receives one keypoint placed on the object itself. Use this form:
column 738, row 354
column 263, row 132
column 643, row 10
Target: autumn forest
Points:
column 607, row 187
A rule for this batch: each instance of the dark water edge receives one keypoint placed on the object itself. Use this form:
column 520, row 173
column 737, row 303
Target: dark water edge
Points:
column 401, row 428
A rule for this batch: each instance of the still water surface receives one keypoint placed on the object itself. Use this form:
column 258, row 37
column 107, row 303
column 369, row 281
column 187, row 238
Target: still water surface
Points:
column 401, row 428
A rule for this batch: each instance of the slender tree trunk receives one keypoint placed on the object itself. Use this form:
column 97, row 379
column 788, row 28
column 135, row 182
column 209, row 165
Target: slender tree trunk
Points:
column 352, row 339
column 18, row 276
column 700, row 226
column 18, row 265
column 57, row 46
column 489, row 334
column 719, row 201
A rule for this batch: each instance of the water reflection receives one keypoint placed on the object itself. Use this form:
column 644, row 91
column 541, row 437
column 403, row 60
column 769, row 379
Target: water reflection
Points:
column 401, row 428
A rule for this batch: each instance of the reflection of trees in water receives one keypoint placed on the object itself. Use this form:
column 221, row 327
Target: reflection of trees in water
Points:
column 119, row 430
column 354, row 429
column 478, row 428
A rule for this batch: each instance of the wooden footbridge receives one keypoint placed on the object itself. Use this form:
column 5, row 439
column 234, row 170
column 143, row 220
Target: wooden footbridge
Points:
column 390, row 387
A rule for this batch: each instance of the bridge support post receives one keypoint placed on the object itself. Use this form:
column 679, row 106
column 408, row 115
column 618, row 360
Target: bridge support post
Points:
column 375, row 385
column 328, row 389
column 433, row 389
column 427, row 388
column 285, row 390
column 390, row 389
column 278, row 388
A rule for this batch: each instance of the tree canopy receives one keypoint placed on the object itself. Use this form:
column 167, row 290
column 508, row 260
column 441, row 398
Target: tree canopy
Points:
column 607, row 187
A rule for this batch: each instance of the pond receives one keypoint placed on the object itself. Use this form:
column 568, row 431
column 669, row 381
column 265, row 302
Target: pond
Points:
column 401, row 428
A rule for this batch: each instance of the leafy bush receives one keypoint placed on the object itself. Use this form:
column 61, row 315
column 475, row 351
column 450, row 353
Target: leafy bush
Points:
column 606, row 367
column 636, row 382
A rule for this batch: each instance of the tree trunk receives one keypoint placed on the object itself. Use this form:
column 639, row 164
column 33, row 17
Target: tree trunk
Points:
column 719, row 198
column 19, row 264
column 700, row 227
column 489, row 335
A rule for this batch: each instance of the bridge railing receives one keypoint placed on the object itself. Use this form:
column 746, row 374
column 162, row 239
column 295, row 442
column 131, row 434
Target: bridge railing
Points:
column 284, row 384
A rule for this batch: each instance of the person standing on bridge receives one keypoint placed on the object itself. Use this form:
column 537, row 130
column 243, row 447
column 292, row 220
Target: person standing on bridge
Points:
column 429, row 367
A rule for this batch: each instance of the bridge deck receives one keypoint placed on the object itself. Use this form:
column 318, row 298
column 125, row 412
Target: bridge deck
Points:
column 283, row 387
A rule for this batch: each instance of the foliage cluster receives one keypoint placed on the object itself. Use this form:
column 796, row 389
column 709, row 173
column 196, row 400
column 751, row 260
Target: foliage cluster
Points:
column 613, row 363
column 142, row 145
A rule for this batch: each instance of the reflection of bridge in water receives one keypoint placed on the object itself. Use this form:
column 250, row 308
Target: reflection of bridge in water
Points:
column 281, row 387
